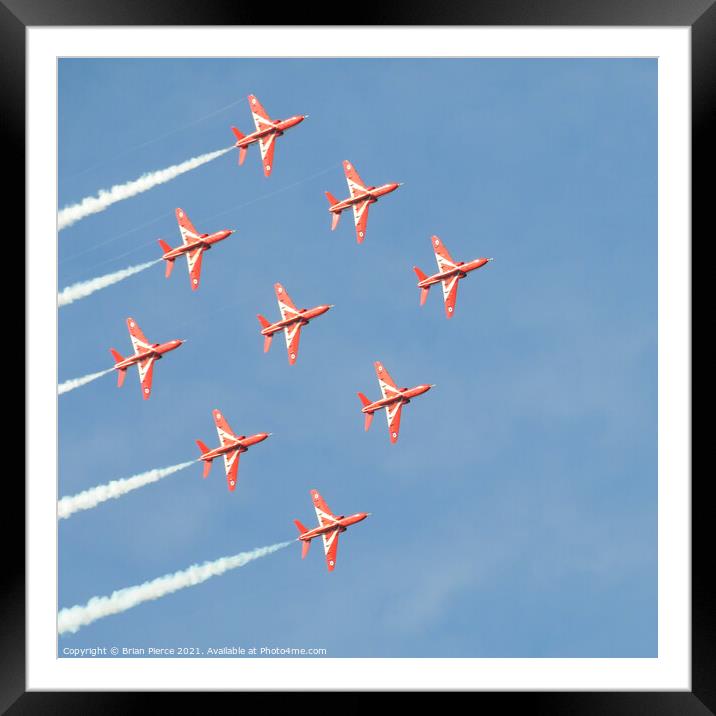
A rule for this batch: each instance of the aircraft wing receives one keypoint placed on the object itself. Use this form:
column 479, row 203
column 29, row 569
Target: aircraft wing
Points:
column 186, row 228
column 330, row 545
column 355, row 184
column 387, row 385
column 146, row 371
column 231, row 464
column 360, row 215
column 392, row 413
column 260, row 115
column 293, row 336
column 285, row 304
column 226, row 434
column 139, row 340
column 442, row 255
column 193, row 260
column 266, row 145
column 450, row 294
column 323, row 512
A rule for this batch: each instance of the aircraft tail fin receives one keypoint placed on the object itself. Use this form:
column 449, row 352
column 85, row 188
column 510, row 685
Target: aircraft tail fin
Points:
column 170, row 262
column 306, row 543
column 336, row 215
column 423, row 291
column 121, row 372
column 267, row 339
column 301, row 529
column 207, row 463
column 368, row 416
column 242, row 150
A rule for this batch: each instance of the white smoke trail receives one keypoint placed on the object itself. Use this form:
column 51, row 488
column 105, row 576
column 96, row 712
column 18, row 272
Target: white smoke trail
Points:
column 79, row 382
column 106, row 197
column 82, row 289
column 71, row 619
column 88, row 499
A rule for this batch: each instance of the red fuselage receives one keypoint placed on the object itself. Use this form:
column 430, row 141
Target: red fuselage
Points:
column 404, row 396
column 341, row 524
column 304, row 317
column 241, row 444
column 156, row 351
column 461, row 270
column 205, row 241
column 278, row 128
column 371, row 195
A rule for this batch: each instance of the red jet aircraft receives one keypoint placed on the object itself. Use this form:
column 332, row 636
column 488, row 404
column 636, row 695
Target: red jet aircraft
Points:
column 361, row 198
column 449, row 273
column 393, row 400
column 145, row 354
column 267, row 130
column 329, row 527
column 292, row 320
column 231, row 447
column 193, row 247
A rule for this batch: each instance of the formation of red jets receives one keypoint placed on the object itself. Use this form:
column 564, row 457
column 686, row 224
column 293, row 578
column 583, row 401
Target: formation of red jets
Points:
column 194, row 244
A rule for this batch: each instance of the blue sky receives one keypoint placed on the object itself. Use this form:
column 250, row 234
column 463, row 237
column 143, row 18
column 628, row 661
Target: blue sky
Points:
column 517, row 514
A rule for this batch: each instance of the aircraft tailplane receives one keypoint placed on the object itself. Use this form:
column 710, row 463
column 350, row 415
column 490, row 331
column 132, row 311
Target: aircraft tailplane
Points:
column 423, row 291
column 267, row 339
column 301, row 529
column 368, row 416
column 170, row 262
column 207, row 463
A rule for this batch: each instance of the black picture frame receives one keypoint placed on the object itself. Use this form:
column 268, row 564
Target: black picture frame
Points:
column 699, row 15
